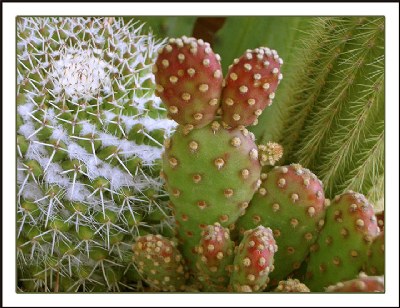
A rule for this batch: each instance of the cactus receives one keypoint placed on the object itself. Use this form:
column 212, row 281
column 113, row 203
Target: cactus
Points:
column 211, row 174
column 342, row 246
column 250, row 86
column 362, row 283
column 189, row 80
column 160, row 262
column 291, row 286
column 254, row 260
column 163, row 268
column 215, row 256
column 375, row 264
column 92, row 211
column 89, row 137
column 291, row 202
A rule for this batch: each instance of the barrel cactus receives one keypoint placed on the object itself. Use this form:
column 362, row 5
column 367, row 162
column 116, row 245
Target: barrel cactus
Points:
column 89, row 138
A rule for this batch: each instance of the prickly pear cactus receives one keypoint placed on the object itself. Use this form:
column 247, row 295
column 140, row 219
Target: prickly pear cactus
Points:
column 291, row 286
column 89, row 137
column 362, row 283
column 342, row 247
column 189, row 80
column 375, row 265
column 291, row 202
column 254, row 260
column 211, row 175
column 215, row 257
column 160, row 262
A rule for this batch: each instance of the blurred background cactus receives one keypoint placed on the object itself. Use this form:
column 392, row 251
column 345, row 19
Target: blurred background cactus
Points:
column 90, row 129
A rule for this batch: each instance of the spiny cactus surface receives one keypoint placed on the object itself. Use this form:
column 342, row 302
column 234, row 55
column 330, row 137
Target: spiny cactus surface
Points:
column 89, row 137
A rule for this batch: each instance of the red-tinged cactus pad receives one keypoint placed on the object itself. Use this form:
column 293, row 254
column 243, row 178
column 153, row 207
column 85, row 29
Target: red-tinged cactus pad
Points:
column 189, row 81
column 215, row 256
column 254, row 260
column 291, row 202
column 291, row 286
column 342, row 247
column 211, row 175
column 363, row 283
column 160, row 263
column 250, row 86
column 375, row 264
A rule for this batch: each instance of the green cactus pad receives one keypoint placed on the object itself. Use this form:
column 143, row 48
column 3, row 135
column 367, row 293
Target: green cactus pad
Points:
column 211, row 175
column 291, row 202
column 375, row 264
column 342, row 247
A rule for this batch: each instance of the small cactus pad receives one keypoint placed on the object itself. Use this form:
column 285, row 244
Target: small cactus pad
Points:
column 291, row 286
column 291, row 202
column 211, row 175
column 250, row 86
column 363, row 283
column 160, row 262
column 189, row 80
column 375, row 264
column 215, row 255
column 254, row 259
column 342, row 247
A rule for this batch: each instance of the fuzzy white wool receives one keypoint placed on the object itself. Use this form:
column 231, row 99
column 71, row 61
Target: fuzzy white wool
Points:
column 75, row 151
column 108, row 139
column 53, row 172
column 78, row 193
column 80, row 73
column 27, row 129
column 25, row 110
column 60, row 134
column 151, row 124
column 36, row 151
column 119, row 179
column 32, row 191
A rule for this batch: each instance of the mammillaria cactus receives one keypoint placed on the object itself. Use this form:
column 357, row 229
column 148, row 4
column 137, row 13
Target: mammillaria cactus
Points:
column 90, row 131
